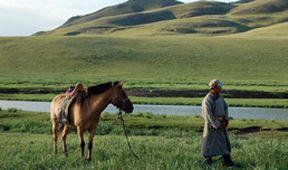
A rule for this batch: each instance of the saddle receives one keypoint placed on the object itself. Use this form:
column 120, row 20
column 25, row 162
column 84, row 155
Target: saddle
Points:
column 64, row 109
column 73, row 94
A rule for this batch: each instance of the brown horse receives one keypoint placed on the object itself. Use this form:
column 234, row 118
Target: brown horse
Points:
column 85, row 113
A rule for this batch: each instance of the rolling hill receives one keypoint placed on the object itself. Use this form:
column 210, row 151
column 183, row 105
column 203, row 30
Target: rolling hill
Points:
column 261, row 7
column 158, row 17
column 131, row 6
column 277, row 30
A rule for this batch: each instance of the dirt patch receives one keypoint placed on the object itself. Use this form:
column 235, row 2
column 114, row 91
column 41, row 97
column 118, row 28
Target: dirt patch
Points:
column 255, row 129
column 284, row 129
column 247, row 130
column 160, row 92
column 202, row 93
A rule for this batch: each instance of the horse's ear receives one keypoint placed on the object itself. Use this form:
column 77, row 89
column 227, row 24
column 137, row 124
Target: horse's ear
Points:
column 120, row 84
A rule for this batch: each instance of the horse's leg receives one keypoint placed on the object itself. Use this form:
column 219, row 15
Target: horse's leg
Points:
column 81, row 140
column 55, row 136
column 64, row 136
column 90, row 144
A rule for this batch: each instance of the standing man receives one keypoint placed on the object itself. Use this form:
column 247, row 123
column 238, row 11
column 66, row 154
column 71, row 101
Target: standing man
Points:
column 215, row 113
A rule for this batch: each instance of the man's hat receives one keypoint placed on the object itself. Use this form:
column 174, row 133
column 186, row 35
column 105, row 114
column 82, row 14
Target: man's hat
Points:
column 215, row 82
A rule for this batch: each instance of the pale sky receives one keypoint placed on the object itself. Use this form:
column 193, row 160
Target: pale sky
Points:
column 25, row 17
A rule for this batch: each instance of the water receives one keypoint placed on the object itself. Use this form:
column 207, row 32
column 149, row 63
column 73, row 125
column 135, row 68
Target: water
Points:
column 235, row 112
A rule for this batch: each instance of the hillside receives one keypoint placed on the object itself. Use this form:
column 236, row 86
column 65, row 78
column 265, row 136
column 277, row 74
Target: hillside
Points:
column 131, row 6
column 169, row 61
column 277, row 30
column 261, row 7
column 171, row 17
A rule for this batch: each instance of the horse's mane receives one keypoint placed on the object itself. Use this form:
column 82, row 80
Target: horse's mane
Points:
column 92, row 90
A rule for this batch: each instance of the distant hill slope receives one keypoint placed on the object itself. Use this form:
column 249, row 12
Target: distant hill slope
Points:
column 277, row 30
column 261, row 6
column 171, row 17
column 130, row 6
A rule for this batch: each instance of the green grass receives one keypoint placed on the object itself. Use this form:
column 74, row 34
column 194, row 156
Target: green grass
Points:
column 13, row 120
column 172, row 60
column 28, row 97
column 34, row 151
column 26, row 143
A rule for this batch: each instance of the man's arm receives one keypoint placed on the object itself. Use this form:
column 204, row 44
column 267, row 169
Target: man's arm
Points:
column 209, row 116
column 223, row 121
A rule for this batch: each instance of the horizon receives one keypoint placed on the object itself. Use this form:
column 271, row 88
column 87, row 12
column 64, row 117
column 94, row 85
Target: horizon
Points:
column 19, row 18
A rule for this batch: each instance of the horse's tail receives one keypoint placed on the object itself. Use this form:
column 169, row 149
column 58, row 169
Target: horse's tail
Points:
column 53, row 114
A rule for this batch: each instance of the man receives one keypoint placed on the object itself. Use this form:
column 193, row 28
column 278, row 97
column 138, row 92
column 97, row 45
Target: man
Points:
column 215, row 113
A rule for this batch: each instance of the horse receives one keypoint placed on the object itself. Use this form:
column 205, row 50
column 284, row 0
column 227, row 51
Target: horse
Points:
column 85, row 113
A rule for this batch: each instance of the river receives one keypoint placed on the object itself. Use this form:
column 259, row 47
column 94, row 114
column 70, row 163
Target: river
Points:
column 235, row 112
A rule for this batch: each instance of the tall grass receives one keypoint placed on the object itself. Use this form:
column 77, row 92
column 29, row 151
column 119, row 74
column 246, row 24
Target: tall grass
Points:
column 34, row 151
column 161, row 142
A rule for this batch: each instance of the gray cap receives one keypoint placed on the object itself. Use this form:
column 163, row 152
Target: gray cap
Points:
column 215, row 82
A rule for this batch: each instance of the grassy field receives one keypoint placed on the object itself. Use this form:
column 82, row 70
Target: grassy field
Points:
column 251, row 61
column 162, row 142
column 177, row 61
column 13, row 120
column 162, row 62
column 34, row 151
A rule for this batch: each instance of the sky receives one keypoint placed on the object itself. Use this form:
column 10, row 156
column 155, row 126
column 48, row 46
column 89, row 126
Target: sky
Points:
column 25, row 17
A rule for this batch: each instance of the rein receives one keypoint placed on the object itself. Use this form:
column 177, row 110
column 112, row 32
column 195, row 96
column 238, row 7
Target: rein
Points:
column 120, row 116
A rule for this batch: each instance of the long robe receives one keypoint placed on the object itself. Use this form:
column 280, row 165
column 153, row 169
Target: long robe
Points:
column 215, row 139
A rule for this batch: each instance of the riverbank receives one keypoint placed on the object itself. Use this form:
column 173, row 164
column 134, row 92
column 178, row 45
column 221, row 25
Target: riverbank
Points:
column 13, row 120
column 189, row 101
column 177, row 110
column 165, row 91
column 157, row 93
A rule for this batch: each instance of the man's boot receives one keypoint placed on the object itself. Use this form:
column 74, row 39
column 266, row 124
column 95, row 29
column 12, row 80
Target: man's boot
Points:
column 227, row 160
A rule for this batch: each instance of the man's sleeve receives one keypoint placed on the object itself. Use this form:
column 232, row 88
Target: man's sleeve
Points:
column 208, row 114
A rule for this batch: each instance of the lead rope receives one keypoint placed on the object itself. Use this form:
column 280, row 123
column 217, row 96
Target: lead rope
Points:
column 120, row 116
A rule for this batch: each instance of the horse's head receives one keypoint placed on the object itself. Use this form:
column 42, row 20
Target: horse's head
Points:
column 120, row 98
